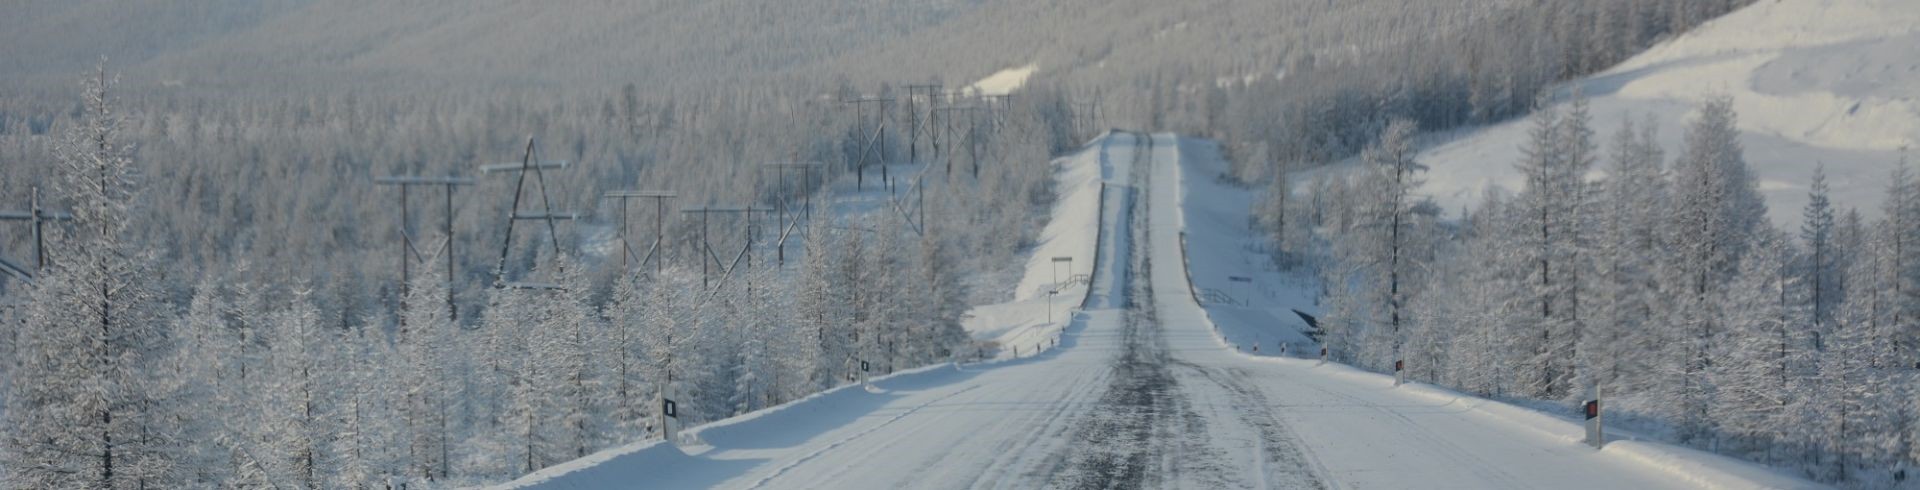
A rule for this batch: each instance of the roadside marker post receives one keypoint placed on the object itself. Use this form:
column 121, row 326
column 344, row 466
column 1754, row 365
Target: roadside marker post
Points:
column 670, row 419
column 1596, row 432
column 1240, row 289
column 866, row 380
column 1323, row 355
column 1399, row 372
column 1050, row 294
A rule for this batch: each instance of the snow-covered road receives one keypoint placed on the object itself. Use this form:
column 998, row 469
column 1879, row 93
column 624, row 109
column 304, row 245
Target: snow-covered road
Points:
column 1139, row 393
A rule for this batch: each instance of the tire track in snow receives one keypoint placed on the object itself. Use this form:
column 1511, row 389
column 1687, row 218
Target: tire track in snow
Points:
column 1491, row 473
column 817, row 452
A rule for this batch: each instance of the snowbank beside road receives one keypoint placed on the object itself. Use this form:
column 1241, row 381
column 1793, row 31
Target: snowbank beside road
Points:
column 1033, row 318
column 1215, row 216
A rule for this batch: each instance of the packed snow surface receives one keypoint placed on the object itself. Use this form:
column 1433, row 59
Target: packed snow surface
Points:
column 1004, row 81
column 1142, row 392
column 1833, row 81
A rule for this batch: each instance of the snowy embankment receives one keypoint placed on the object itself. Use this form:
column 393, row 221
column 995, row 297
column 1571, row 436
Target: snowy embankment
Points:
column 1213, row 221
column 1073, row 232
column 1813, row 81
column 1251, row 297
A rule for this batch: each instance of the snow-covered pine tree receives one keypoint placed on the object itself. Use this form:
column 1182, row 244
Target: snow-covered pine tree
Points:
column 1716, row 210
column 1488, row 284
column 300, row 390
column 818, row 315
column 669, row 334
column 572, row 325
column 1543, row 373
column 624, row 360
column 1554, row 208
column 1765, row 335
column 1575, row 245
column 80, row 412
column 1625, row 248
column 366, row 446
column 759, row 329
column 1857, row 379
column 426, row 344
column 203, row 351
column 1390, row 232
column 1273, row 208
column 1824, row 259
column 942, row 299
column 501, row 353
column 854, row 280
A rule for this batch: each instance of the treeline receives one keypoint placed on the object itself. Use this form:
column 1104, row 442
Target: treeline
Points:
column 1660, row 288
column 215, row 315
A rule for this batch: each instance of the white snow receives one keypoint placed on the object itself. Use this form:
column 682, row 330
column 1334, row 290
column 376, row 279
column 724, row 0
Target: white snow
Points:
column 1004, row 81
column 1007, row 424
column 1215, row 216
column 1073, row 231
column 1834, row 81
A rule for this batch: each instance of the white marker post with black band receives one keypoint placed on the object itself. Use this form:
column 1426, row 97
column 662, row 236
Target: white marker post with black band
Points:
column 1596, row 436
column 1399, row 372
column 864, row 379
column 670, row 418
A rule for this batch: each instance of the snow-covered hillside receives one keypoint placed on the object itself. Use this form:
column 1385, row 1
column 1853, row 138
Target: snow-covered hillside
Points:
column 1813, row 81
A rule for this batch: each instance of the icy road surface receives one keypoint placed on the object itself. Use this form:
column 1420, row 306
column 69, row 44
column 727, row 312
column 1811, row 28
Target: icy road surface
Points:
column 1139, row 393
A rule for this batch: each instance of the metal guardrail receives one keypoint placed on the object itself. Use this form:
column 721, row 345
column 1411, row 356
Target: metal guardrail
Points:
column 1099, row 237
column 1210, row 296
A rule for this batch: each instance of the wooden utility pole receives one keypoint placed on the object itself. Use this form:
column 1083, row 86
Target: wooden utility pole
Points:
column 527, row 165
column 35, row 217
column 879, row 135
column 706, row 246
column 999, row 112
column 969, row 135
column 785, row 218
column 409, row 247
column 660, row 199
column 913, row 116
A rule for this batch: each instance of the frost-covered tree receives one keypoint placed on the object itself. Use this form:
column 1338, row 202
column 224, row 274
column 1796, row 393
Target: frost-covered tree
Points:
column 82, row 411
column 1765, row 344
column 938, row 297
column 1389, row 229
column 427, row 347
column 625, row 359
column 367, row 447
column 670, row 334
column 1824, row 260
column 1715, row 213
column 298, row 398
column 1559, row 153
column 818, row 314
column 202, row 352
column 1626, row 246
